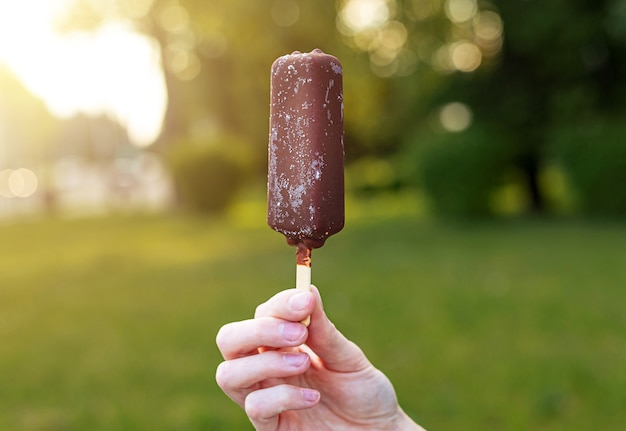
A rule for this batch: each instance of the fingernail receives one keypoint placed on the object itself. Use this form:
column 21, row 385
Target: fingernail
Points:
column 310, row 395
column 292, row 331
column 295, row 359
column 300, row 301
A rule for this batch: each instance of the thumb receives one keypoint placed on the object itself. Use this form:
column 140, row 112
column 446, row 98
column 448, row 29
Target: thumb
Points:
column 333, row 348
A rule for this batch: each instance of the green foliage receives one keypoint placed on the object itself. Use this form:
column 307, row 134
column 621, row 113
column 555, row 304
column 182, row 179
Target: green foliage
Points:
column 503, row 326
column 460, row 171
column 593, row 155
column 207, row 175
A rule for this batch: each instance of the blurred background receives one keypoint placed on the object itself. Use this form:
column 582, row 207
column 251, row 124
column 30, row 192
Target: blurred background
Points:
column 486, row 194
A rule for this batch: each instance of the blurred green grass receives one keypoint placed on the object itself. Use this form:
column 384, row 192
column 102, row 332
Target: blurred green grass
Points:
column 109, row 324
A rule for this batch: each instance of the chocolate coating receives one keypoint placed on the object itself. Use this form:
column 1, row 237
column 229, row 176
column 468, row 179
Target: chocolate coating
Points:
column 305, row 158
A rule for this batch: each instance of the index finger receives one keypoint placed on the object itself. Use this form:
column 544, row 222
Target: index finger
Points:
column 244, row 338
column 291, row 304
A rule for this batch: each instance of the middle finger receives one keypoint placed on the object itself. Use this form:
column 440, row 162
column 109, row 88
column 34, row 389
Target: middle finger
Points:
column 238, row 377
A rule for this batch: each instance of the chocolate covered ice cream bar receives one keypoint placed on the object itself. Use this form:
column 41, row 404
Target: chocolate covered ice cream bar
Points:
column 305, row 158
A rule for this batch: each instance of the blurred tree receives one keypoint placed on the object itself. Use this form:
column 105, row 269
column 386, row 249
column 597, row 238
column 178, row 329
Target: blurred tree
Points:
column 526, row 66
column 561, row 63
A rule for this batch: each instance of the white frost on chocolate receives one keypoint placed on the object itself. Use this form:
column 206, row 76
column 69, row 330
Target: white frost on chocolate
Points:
column 336, row 68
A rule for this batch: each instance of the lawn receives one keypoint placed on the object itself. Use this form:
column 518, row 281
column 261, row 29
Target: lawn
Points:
column 109, row 323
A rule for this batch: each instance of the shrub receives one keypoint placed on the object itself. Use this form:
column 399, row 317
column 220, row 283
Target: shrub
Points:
column 369, row 175
column 593, row 156
column 207, row 175
column 460, row 171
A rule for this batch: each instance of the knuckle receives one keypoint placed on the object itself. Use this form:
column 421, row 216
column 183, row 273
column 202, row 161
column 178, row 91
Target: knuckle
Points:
column 259, row 310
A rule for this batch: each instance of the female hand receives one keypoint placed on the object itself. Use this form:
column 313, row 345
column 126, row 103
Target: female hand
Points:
column 284, row 384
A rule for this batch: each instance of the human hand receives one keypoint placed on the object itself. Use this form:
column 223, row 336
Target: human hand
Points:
column 284, row 384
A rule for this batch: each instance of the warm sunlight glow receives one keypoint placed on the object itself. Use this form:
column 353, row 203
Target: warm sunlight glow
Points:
column 114, row 70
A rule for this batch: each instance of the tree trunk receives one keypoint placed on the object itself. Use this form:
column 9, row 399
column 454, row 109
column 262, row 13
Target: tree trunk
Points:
column 530, row 164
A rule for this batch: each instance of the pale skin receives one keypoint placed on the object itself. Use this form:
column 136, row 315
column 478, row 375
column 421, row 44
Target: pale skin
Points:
column 289, row 377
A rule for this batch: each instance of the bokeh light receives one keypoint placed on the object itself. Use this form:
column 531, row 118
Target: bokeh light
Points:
column 393, row 36
column 5, row 192
column 213, row 45
column 422, row 9
column 465, row 56
column 185, row 65
column 180, row 56
column 361, row 15
column 285, row 13
column 369, row 26
column 135, row 8
column 488, row 28
column 174, row 18
column 455, row 117
column 18, row 183
column 488, row 25
column 459, row 11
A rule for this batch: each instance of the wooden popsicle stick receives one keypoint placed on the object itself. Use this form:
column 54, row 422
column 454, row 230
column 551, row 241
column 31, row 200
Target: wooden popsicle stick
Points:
column 303, row 272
